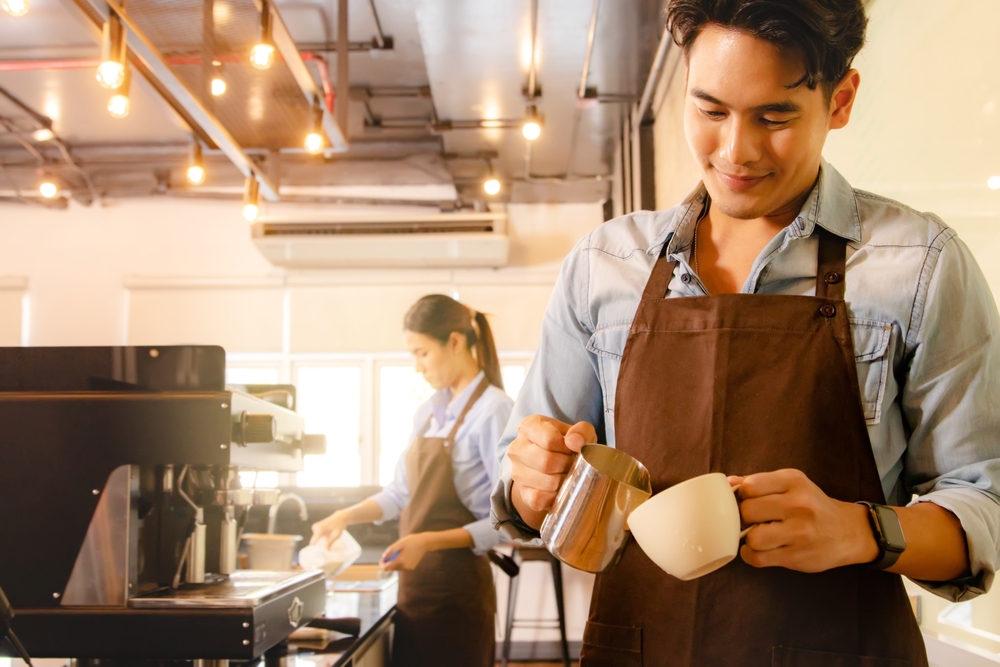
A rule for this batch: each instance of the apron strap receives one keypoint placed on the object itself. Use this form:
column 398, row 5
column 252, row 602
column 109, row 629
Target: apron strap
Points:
column 831, row 265
column 659, row 279
column 480, row 390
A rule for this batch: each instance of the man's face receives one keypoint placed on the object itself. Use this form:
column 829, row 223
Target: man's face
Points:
column 757, row 141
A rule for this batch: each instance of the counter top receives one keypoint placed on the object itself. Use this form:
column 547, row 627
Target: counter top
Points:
column 374, row 608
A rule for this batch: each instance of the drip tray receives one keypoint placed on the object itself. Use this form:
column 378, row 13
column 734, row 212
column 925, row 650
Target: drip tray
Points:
column 243, row 588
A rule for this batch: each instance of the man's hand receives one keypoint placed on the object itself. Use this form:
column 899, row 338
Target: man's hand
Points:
column 540, row 456
column 797, row 526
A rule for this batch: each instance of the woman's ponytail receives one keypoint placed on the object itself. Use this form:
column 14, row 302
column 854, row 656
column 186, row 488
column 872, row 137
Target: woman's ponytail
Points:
column 486, row 351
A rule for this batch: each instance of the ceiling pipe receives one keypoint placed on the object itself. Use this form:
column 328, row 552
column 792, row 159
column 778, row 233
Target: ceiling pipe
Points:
column 654, row 78
column 324, row 76
column 46, row 122
column 582, row 92
column 532, row 90
column 343, row 68
column 379, row 35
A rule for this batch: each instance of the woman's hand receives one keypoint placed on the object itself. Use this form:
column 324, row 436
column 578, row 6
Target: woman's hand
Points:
column 327, row 531
column 406, row 553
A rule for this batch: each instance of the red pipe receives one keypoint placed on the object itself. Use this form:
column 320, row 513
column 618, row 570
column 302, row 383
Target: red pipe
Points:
column 324, row 76
column 38, row 65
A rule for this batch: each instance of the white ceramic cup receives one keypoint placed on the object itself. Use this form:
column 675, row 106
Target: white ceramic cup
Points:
column 690, row 529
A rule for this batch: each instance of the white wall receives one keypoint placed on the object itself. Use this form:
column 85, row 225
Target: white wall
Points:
column 80, row 266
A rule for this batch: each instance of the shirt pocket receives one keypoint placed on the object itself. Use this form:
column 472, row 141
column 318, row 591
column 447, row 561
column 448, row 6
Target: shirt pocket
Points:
column 608, row 344
column 871, row 342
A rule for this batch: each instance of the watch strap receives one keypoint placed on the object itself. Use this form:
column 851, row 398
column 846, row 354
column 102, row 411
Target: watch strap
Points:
column 888, row 554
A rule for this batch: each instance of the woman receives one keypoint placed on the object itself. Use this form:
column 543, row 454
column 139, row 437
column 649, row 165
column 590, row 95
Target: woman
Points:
column 441, row 492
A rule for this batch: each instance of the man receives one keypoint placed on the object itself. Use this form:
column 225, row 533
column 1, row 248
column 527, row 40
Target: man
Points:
column 826, row 347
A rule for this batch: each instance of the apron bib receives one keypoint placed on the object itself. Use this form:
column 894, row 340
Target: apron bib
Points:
column 742, row 384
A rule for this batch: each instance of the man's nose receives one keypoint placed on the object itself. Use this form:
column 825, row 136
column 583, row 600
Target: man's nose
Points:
column 741, row 143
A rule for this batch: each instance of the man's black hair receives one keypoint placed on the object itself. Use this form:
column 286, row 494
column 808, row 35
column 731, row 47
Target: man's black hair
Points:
column 827, row 34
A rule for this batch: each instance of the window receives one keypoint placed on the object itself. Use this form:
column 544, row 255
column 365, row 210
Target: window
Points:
column 329, row 400
column 363, row 404
column 401, row 390
column 252, row 375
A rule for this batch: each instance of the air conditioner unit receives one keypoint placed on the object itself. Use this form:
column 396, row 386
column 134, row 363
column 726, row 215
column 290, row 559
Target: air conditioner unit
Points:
column 447, row 240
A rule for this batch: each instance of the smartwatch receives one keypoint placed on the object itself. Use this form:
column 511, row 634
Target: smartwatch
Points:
column 888, row 534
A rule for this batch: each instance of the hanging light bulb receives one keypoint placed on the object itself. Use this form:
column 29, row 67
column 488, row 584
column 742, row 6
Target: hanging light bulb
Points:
column 196, row 167
column 492, row 184
column 16, row 7
column 43, row 134
column 48, row 189
column 262, row 54
column 111, row 71
column 251, row 199
column 119, row 105
column 315, row 140
column 218, row 83
column 532, row 128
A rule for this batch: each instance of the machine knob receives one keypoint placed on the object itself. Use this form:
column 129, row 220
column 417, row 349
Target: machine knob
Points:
column 248, row 428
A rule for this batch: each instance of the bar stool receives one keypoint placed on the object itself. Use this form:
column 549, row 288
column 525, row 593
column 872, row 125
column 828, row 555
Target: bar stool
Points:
column 523, row 554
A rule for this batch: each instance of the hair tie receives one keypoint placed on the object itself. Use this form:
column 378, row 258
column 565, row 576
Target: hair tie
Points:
column 475, row 325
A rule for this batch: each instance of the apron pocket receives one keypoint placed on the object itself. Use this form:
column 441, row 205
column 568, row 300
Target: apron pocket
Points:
column 782, row 656
column 611, row 646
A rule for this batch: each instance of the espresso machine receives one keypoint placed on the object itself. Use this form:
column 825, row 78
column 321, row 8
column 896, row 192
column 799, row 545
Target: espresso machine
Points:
column 121, row 505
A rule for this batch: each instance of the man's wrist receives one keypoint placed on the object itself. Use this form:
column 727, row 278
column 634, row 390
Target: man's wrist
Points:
column 866, row 549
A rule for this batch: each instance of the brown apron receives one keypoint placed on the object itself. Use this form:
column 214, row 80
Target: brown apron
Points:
column 445, row 613
column 741, row 384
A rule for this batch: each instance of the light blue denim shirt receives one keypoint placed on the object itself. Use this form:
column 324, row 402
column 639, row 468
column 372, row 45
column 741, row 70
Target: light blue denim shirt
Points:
column 473, row 455
column 925, row 330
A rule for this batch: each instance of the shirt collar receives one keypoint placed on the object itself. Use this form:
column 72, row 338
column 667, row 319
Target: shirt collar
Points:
column 831, row 205
column 446, row 408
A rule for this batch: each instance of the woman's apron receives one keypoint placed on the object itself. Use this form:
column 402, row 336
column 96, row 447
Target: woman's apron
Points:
column 445, row 613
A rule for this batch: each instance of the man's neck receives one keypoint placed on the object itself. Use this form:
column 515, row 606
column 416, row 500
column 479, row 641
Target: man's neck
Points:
column 727, row 247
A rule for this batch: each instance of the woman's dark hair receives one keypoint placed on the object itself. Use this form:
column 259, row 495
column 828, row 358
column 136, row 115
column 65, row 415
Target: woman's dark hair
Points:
column 826, row 33
column 437, row 316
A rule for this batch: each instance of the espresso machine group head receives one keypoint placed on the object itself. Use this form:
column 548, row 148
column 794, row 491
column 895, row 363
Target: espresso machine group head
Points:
column 124, row 507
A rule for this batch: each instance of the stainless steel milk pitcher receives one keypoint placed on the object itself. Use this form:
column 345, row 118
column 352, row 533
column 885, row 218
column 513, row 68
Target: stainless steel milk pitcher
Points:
column 587, row 528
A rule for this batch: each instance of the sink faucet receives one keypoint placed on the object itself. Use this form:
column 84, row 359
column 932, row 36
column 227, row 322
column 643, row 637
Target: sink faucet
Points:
column 272, row 514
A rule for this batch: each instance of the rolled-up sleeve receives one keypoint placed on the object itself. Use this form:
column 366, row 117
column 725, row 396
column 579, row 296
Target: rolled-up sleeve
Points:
column 484, row 537
column 950, row 401
column 563, row 381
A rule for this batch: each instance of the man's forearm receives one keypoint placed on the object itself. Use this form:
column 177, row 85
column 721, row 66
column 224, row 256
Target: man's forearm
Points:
column 936, row 548
column 529, row 516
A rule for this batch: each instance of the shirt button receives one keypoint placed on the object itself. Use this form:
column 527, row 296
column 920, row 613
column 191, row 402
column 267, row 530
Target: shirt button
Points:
column 686, row 278
column 832, row 278
column 827, row 310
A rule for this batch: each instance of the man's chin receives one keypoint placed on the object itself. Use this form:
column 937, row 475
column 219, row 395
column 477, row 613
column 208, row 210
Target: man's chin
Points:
column 740, row 210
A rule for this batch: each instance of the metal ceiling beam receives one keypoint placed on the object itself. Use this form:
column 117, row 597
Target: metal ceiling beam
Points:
column 289, row 51
column 153, row 66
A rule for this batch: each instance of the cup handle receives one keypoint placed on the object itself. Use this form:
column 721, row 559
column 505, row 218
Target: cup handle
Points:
column 743, row 533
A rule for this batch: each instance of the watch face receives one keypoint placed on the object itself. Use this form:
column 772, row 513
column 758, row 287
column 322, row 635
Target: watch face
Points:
column 891, row 530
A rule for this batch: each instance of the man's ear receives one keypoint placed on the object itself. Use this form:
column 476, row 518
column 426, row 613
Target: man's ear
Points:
column 842, row 100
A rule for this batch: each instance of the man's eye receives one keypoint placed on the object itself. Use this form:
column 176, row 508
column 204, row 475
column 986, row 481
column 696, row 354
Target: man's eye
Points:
column 773, row 123
column 713, row 114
